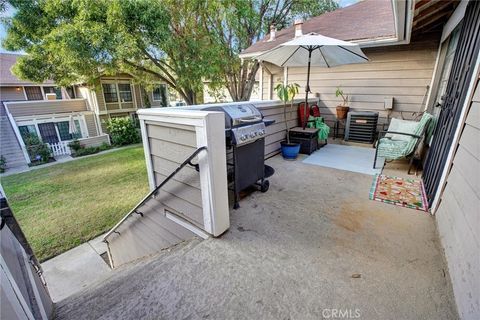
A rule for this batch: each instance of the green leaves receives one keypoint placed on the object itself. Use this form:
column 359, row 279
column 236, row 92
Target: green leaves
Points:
column 288, row 92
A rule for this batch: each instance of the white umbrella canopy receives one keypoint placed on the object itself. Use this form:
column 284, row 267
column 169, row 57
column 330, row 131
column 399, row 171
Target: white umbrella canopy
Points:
column 324, row 52
column 313, row 49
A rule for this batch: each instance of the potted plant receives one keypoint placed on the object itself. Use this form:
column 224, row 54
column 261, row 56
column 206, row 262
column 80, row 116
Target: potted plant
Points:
column 342, row 110
column 287, row 93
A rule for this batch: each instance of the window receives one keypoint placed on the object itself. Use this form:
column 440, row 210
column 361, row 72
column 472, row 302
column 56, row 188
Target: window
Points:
column 64, row 130
column 125, row 91
column 33, row 93
column 110, row 92
column 70, row 92
column 56, row 90
column 27, row 130
column 160, row 94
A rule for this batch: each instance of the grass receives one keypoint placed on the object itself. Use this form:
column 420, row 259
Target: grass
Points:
column 65, row 205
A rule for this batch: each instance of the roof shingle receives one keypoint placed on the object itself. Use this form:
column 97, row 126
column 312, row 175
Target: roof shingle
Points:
column 7, row 78
column 369, row 19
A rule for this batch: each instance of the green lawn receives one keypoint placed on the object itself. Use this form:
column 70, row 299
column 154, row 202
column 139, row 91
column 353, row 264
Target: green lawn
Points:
column 62, row 206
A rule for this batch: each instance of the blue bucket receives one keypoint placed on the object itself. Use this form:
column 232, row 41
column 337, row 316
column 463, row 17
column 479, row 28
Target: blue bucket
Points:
column 290, row 150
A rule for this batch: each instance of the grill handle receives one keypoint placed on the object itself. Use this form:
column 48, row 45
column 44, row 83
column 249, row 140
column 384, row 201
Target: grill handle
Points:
column 255, row 119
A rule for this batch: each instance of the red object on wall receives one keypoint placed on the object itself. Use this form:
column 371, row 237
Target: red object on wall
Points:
column 315, row 111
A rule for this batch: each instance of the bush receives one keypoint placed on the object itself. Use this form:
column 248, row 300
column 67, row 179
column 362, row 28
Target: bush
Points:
column 122, row 131
column 37, row 150
column 83, row 151
column 3, row 164
column 75, row 146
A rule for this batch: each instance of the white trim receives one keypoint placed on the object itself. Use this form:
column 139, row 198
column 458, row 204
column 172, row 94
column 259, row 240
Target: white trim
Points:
column 35, row 122
column 117, row 111
column 434, row 77
column 285, row 76
column 148, row 158
column 454, row 20
column 17, row 134
column 213, row 184
column 199, row 232
column 261, row 82
column 456, row 137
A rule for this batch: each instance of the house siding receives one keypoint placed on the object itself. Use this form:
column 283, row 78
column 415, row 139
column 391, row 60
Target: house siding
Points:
column 402, row 72
column 11, row 94
column 169, row 146
column 91, row 125
column 95, row 141
column 37, row 108
column 458, row 216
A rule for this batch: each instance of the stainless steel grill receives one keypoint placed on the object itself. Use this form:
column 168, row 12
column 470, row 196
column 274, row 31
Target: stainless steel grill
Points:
column 244, row 132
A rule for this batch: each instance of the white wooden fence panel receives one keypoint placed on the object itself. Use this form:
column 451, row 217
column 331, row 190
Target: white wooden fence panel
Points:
column 60, row 148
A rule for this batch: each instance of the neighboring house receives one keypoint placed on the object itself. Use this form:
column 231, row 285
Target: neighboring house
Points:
column 424, row 55
column 47, row 109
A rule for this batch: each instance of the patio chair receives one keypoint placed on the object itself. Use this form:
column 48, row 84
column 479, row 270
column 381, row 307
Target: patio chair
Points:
column 402, row 140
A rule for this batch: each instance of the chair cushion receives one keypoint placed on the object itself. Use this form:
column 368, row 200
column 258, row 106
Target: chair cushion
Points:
column 400, row 125
column 392, row 149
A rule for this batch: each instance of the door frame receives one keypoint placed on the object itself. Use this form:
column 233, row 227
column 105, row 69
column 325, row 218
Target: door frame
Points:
column 456, row 136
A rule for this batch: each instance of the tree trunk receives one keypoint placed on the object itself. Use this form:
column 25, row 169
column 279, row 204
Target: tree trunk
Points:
column 240, row 84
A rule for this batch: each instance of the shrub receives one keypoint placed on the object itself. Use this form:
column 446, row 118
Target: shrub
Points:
column 123, row 131
column 83, row 151
column 36, row 149
column 3, row 164
column 75, row 146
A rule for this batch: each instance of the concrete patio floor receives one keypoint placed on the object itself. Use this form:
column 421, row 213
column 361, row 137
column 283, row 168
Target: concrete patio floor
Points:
column 313, row 244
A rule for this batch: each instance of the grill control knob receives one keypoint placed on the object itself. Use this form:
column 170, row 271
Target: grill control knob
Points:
column 243, row 137
column 261, row 132
column 252, row 135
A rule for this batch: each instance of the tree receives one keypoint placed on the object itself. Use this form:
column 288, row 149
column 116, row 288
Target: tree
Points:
column 179, row 42
column 237, row 24
column 72, row 41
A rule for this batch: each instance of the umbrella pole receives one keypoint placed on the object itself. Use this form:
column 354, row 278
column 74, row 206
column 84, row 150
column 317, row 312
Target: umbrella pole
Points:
column 307, row 88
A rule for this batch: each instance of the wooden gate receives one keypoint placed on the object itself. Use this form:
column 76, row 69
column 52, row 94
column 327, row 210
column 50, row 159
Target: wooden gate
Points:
column 454, row 98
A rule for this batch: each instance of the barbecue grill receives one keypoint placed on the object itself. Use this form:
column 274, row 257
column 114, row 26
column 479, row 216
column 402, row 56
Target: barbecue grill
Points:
column 245, row 138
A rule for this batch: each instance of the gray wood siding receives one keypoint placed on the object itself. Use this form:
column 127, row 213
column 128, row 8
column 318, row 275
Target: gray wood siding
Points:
column 95, row 141
column 276, row 132
column 458, row 216
column 11, row 94
column 402, row 72
column 28, row 108
column 169, row 146
column 91, row 126
column 143, row 236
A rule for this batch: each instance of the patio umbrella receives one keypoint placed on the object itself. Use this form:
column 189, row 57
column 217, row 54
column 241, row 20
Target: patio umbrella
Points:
column 72, row 128
column 314, row 49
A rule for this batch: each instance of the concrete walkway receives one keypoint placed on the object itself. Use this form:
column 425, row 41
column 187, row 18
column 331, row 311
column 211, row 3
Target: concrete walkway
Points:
column 76, row 269
column 312, row 246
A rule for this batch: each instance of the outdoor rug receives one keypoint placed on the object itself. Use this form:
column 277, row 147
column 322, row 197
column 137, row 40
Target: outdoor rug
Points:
column 348, row 158
column 408, row 193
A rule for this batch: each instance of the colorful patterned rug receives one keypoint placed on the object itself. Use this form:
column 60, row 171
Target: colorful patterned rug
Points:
column 408, row 193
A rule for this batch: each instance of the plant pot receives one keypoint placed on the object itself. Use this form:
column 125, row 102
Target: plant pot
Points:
column 290, row 150
column 342, row 112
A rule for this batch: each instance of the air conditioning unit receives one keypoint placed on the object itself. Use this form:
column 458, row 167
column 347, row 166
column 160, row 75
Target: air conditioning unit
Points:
column 361, row 126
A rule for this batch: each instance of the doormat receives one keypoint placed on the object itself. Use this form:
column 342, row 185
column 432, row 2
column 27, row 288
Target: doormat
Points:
column 408, row 193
